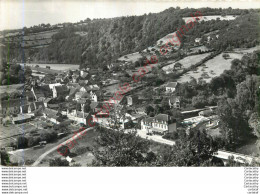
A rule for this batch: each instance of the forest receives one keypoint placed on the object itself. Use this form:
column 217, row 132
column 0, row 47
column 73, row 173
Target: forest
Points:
column 103, row 41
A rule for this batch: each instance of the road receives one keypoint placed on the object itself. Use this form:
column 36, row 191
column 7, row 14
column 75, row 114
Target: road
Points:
column 37, row 162
column 156, row 138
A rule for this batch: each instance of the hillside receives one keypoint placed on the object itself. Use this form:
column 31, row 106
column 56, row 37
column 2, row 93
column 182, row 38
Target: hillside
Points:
column 99, row 42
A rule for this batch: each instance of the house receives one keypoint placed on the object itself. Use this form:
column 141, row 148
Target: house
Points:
column 174, row 102
column 83, row 82
column 75, row 78
column 73, row 85
column 59, row 78
column 83, row 74
column 41, row 92
column 84, row 89
column 80, row 95
column 60, row 91
column 12, row 106
column 78, row 116
column 93, row 96
column 53, row 85
column 25, row 109
column 47, row 101
column 29, row 96
column 21, row 119
column 39, row 104
column 30, row 107
column 51, row 115
column 72, row 93
column 197, row 41
column 135, row 116
column 171, row 87
column 206, row 113
column 160, row 124
column 131, row 100
column 38, row 94
column 140, row 110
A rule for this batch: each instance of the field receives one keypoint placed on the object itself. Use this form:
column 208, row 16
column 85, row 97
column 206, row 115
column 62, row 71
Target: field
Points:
column 211, row 17
column 196, row 49
column 247, row 50
column 212, row 68
column 80, row 148
column 133, row 57
column 11, row 88
column 11, row 132
column 167, row 38
column 59, row 67
column 32, row 39
column 187, row 61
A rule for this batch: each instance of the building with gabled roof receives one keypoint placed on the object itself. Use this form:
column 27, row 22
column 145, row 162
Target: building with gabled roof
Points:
column 171, row 87
column 60, row 91
column 174, row 102
column 160, row 124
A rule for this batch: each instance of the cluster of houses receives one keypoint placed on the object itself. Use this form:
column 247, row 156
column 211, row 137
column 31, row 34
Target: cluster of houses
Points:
column 69, row 93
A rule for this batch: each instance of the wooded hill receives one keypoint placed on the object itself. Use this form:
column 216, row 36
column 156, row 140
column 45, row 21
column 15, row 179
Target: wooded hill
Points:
column 98, row 42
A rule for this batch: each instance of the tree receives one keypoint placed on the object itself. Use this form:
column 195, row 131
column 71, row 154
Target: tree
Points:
column 117, row 148
column 64, row 150
column 58, row 162
column 22, row 142
column 5, row 160
column 194, row 149
column 149, row 109
column 28, row 78
column 254, row 123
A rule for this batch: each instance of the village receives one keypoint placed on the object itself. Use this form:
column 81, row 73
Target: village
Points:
column 164, row 93
column 58, row 104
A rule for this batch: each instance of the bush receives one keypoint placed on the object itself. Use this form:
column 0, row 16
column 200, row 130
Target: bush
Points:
column 33, row 141
column 4, row 158
column 29, row 162
column 76, row 165
column 81, row 150
column 64, row 150
column 48, row 136
column 58, row 162
column 171, row 136
column 22, row 142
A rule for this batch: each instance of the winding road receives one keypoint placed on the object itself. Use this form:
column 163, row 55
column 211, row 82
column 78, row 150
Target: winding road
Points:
column 37, row 162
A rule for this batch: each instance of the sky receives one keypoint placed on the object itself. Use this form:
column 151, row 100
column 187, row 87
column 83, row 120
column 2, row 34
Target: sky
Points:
column 16, row 14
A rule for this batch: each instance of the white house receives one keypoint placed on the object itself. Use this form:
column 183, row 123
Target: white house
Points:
column 93, row 96
column 159, row 124
column 171, row 87
column 174, row 102
column 53, row 85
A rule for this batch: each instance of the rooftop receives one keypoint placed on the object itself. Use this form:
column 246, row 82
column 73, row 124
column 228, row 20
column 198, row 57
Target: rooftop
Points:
column 172, row 84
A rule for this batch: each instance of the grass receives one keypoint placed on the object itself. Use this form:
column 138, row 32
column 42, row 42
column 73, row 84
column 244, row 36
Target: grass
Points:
column 33, row 39
column 54, row 67
column 212, row 68
column 18, row 129
column 187, row 61
column 84, row 159
column 133, row 57
column 211, row 17
column 11, row 88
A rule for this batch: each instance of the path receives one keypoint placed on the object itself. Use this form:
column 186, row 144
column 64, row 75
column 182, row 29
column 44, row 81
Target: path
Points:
column 56, row 147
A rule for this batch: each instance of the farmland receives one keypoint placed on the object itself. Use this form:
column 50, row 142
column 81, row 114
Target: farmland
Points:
column 58, row 67
column 11, row 88
column 212, row 68
column 212, row 17
column 31, row 40
column 133, row 57
column 187, row 61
